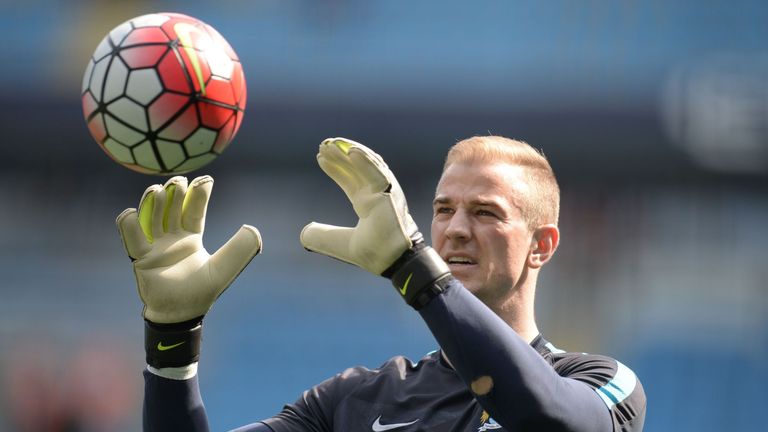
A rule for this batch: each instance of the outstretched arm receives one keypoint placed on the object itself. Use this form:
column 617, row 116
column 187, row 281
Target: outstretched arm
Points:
column 178, row 281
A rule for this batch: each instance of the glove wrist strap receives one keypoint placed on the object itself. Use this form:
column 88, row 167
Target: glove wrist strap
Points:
column 419, row 275
column 173, row 345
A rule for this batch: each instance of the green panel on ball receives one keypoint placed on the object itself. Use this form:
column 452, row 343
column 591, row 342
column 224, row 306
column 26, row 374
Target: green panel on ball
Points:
column 200, row 142
column 171, row 153
column 122, row 133
column 118, row 151
column 145, row 156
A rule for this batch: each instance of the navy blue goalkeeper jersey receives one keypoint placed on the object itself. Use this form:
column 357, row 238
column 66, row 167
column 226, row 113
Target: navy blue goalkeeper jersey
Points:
column 494, row 382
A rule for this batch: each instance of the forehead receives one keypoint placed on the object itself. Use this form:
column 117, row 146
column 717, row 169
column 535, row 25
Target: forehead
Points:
column 478, row 180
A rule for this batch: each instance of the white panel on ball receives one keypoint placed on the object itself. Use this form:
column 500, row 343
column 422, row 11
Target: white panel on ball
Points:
column 120, row 32
column 97, row 80
column 116, row 78
column 143, row 86
column 149, row 20
column 220, row 64
column 129, row 112
column 87, row 76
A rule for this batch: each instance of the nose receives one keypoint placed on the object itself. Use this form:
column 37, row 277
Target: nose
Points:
column 458, row 228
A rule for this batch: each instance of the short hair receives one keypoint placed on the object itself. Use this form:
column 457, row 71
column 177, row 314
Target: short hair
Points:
column 542, row 203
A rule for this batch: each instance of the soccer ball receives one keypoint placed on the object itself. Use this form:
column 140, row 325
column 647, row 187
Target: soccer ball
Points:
column 164, row 94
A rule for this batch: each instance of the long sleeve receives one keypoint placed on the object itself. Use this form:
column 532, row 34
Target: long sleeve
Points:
column 173, row 405
column 512, row 381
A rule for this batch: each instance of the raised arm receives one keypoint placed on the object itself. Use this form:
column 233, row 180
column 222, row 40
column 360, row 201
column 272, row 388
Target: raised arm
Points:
column 178, row 281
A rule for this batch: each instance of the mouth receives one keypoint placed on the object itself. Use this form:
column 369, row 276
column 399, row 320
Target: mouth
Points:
column 460, row 262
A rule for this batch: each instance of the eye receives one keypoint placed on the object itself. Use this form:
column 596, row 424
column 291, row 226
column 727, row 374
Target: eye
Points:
column 484, row 212
column 443, row 210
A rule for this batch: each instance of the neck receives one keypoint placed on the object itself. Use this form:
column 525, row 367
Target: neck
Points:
column 518, row 314
column 517, row 308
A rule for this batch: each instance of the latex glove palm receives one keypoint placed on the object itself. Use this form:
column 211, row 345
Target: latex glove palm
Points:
column 385, row 229
column 177, row 279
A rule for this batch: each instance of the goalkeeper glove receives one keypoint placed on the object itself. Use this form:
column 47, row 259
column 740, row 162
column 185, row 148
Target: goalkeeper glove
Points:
column 177, row 279
column 386, row 240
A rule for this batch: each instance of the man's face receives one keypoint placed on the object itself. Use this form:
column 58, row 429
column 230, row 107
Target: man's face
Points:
column 478, row 229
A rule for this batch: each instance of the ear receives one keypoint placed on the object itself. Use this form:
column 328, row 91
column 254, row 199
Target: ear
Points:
column 544, row 242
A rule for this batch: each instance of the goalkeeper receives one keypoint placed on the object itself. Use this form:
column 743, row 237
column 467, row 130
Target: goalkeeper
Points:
column 494, row 227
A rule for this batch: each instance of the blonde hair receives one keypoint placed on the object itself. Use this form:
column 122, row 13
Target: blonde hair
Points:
column 542, row 203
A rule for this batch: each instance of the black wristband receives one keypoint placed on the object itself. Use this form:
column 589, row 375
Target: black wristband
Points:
column 173, row 345
column 419, row 275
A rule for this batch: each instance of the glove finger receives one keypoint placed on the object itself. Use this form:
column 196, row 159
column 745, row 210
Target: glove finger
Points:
column 372, row 172
column 341, row 176
column 196, row 204
column 328, row 240
column 147, row 212
column 232, row 258
column 134, row 240
column 175, row 191
column 374, row 157
column 336, row 164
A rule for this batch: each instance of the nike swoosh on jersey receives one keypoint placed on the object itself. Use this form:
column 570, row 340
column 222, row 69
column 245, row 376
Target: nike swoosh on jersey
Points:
column 378, row 427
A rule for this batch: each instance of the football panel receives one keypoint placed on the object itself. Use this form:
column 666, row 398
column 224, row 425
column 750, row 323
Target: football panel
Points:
column 238, row 122
column 97, row 80
column 150, row 20
column 221, row 42
column 116, row 78
column 171, row 153
column 143, row 56
column 165, row 107
column 225, row 136
column 143, row 86
column 118, row 151
column 97, row 128
column 238, row 85
column 220, row 90
column 122, row 133
column 89, row 105
column 129, row 112
column 181, row 127
column 103, row 49
column 214, row 116
column 196, row 67
column 146, row 36
column 145, row 156
column 200, row 142
column 219, row 62
column 172, row 74
column 120, row 32
column 87, row 76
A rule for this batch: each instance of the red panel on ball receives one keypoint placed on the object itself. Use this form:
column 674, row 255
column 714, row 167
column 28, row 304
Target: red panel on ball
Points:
column 172, row 74
column 238, row 85
column 238, row 121
column 165, row 107
column 214, row 116
column 146, row 35
column 225, row 136
column 181, row 127
column 96, row 126
column 143, row 56
column 89, row 104
column 220, row 90
column 196, row 66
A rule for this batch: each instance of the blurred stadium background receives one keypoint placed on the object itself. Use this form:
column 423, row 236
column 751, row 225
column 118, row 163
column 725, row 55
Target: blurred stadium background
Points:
column 654, row 115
